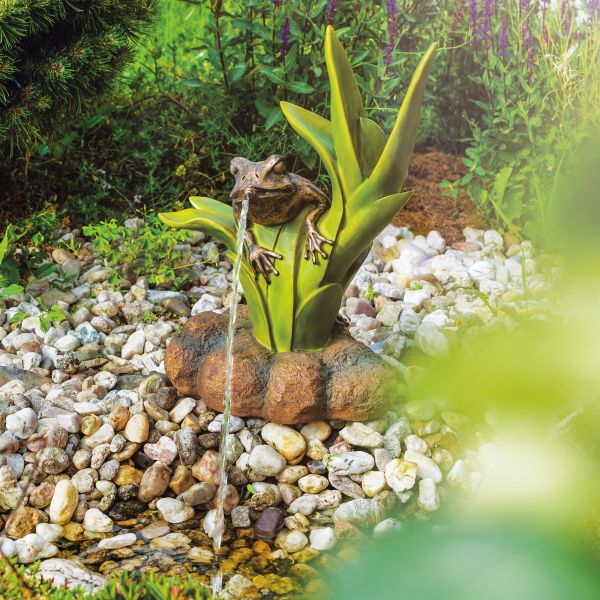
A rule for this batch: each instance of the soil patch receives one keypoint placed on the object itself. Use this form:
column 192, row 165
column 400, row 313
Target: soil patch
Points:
column 428, row 208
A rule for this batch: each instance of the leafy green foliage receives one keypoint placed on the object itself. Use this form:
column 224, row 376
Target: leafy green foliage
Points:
column 539, row 71
column 493, row 560
column 9, row 271
column 57, row 56
column 149, row 250
column 297, row 308
column 48, row 318
column 170, row 130
column 40, row 227
column 20, row 582
column 18, row 260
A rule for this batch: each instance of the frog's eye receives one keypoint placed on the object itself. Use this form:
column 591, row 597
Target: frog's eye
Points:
column 279, row 168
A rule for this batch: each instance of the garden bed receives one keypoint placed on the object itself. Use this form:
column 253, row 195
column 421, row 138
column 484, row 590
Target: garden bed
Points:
column 118, row 473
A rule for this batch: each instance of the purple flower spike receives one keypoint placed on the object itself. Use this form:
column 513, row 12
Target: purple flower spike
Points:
column 392, row 11
column 331, row 8
column 474, row 19
column 284, row 37
column 490, row 8
column 566, row 16
column 503, row 39
column 277, row 3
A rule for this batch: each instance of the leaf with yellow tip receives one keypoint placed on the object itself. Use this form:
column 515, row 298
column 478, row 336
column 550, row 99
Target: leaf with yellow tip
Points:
column 390, row 172
column 346, row 111
column 316, row 130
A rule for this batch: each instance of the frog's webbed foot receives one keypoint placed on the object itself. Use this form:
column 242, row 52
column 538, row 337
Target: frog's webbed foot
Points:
column 263, row 261
column 314, row 244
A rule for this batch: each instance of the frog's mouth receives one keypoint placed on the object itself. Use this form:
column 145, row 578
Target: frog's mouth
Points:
column 266, row 194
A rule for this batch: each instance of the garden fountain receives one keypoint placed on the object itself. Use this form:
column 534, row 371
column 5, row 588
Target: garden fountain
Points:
column 292, row 362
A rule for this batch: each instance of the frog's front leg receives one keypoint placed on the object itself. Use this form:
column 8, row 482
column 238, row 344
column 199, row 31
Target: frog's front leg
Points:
column 261, row 259
column 314, row 239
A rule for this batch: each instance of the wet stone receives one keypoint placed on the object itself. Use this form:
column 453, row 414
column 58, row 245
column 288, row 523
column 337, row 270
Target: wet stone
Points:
column 174, row 511
column 268, row 523
column 171, row 541
column 185, row 442
column 199, row 493
column 181, row 480
column 129, row 491
column 126, row 509
column 154, row 482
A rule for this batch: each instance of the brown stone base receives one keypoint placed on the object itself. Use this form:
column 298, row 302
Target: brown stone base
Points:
column 346, row 380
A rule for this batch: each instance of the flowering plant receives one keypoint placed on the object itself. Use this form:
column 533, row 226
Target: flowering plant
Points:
column 538, row 65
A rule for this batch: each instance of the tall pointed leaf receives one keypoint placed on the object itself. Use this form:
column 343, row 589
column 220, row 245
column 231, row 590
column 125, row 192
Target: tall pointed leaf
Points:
column 316, row 130
column 372, row 143
column 281, row 298
column 257, row 305
column 390, row 172
column 316, row 316
column 346, row 111
column 360, row 231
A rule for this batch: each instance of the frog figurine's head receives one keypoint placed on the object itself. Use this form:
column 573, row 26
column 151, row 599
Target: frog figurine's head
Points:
column 266, row 180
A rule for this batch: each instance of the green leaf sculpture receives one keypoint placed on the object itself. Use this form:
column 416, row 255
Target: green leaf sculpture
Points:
column 297, row 309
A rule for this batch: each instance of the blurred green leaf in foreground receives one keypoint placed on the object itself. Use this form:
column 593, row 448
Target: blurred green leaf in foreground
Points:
column 532, row 391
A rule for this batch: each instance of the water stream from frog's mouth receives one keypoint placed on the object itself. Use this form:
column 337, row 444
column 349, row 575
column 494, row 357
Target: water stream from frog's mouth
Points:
column 219, row 525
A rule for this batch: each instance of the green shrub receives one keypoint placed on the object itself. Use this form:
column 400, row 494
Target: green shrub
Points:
column 539, row 65
column 177, row 120
column 56, row 57
column 19, row 582
column 17, row 261
column 149, row 250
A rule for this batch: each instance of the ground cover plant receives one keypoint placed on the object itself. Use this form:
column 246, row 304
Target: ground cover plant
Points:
column 147, row 249
column 20, row 582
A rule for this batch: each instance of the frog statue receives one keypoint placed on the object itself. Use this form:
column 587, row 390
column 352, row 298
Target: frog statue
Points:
column 276, row 197
column 292, row 360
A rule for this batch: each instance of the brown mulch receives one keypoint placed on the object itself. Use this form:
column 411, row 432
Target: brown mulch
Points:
column 428, row 208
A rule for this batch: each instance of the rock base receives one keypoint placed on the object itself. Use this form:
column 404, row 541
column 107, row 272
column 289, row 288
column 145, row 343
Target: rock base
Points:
column 345, row 380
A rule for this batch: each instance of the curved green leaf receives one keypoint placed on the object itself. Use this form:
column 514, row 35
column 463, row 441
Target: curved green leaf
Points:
column 216, row 218
column 208, row 215
column 315, row 317
column 372, row 143
column 346, row 111
column 316, row 130
column 360, row 231
column 257, row 306
column 390, row 172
